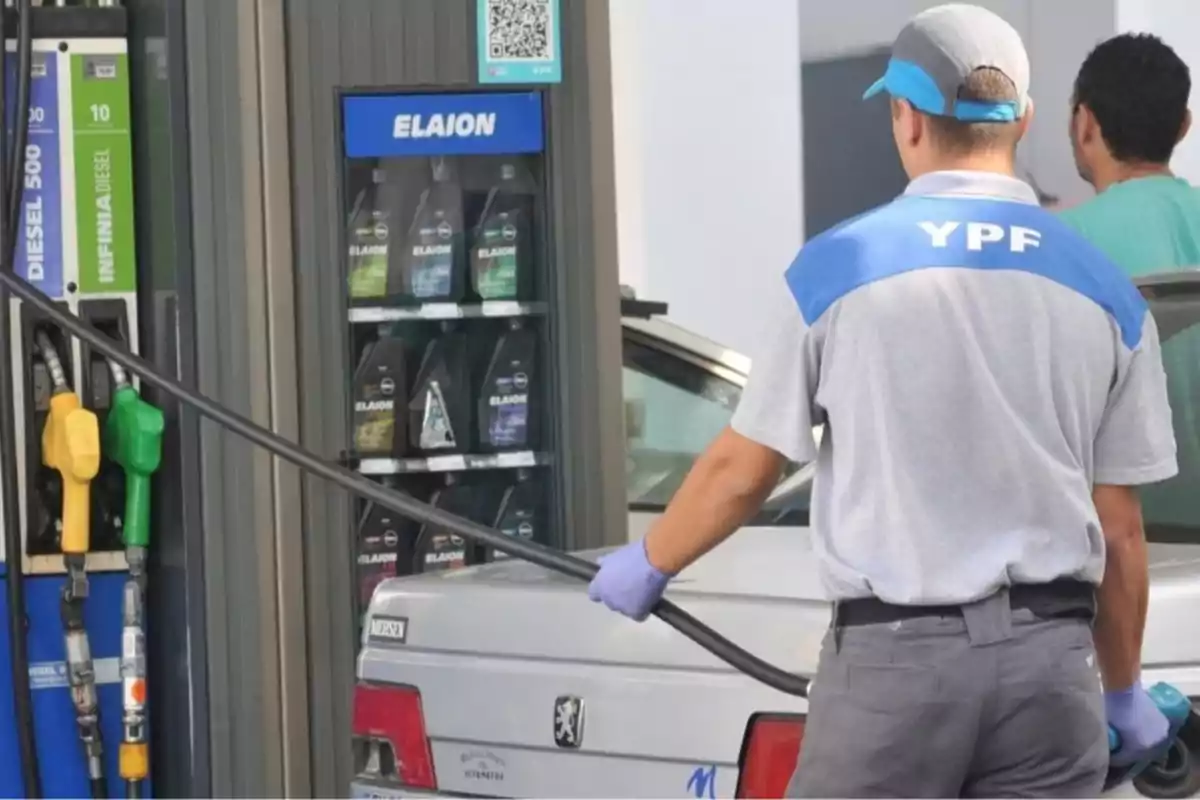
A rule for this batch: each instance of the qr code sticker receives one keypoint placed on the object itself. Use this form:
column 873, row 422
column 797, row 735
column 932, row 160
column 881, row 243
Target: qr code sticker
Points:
column 519, row 30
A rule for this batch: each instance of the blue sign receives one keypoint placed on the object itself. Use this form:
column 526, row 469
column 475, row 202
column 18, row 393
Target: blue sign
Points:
column 518, row 41
column 39, row 228
column 442, row 124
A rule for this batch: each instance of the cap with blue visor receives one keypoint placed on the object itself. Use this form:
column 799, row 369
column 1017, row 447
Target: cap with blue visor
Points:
column 938, row 50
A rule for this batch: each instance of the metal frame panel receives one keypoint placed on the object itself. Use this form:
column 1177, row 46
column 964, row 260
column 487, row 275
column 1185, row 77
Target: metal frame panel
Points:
column 238, row 674
column 363, row 43
column 284, row 379
column 245, row 340
column 176, row 591
column 583, row 181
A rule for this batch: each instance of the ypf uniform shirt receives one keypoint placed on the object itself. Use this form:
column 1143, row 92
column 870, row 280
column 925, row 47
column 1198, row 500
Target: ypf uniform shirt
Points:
column 978, row 367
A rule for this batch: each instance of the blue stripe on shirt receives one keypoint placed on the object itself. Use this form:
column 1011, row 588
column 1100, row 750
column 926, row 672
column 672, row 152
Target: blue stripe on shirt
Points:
column 916, row 232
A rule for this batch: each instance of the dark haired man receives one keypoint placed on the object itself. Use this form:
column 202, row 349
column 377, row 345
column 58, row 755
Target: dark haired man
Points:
column 1129, row 110
column 960, row 345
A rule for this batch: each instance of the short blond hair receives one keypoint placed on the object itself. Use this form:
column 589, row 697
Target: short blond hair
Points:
column 984, row 85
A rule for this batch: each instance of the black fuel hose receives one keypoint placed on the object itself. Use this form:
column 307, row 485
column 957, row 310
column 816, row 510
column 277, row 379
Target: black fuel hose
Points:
column 10, row 208
column 545, row 557
column 16, row 151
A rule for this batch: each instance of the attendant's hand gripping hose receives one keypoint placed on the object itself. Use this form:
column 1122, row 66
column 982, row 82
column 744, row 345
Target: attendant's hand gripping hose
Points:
column 668, row 612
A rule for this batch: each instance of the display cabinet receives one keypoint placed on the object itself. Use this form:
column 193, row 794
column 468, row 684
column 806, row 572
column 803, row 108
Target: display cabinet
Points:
column 447, row 275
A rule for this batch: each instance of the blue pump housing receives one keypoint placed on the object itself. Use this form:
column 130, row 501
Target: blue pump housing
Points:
column 64, row 773
column 1176, row 708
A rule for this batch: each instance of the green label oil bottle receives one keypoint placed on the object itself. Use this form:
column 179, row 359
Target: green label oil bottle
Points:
column 521, row 512
column 500, row 250
column 367, row 238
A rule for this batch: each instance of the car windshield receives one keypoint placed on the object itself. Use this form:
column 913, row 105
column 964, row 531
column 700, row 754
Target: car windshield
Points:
column 674, row 406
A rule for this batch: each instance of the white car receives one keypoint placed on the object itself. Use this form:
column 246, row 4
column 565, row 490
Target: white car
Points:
column 504, row 680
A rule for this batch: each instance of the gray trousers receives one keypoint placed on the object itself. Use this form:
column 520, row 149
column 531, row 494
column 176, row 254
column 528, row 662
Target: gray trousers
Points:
column 996, row 703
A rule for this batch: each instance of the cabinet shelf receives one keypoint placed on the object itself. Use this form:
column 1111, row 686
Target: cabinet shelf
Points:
column 434, row 311
column 452, row 463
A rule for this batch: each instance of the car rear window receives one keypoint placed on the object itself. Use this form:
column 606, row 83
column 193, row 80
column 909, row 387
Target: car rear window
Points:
column 1171, row 509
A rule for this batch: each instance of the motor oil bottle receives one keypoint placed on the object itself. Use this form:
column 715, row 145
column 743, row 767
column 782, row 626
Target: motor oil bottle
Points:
column 380, row 382
column 507, row 404
column 439, row 409
column 367, row 238
column 385, row 542
column 501, row 241
column 438, row 549
column 520, row 514
column 434, row 257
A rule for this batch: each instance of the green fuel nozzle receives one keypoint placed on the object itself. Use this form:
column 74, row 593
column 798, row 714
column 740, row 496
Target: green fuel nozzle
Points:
column 133, row 439
column 133, row 436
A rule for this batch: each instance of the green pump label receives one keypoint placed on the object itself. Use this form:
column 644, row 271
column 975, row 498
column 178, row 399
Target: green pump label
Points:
column 103, row 173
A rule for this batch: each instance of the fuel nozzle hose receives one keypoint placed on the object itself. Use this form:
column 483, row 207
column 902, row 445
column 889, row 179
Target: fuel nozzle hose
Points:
column 668, row 612
column 71, row 447
column 133, row 440
column 14, row 545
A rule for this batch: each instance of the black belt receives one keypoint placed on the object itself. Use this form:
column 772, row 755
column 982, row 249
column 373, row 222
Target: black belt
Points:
column 1061, row 599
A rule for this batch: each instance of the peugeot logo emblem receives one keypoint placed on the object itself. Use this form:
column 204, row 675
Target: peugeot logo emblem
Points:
column 568, row 722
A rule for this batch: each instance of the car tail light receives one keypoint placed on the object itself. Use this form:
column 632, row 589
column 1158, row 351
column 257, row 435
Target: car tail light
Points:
column 770, row 753
column 389, row 734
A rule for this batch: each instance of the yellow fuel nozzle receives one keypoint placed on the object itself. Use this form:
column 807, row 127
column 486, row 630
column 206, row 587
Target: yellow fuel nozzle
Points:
column 71, row 446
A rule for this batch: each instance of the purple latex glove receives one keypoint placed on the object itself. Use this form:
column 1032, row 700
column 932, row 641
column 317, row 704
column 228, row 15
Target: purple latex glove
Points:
column 627, row 582
column 1141, row 728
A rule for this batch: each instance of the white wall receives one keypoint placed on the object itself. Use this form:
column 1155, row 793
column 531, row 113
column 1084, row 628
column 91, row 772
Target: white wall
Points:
column 1178, row 23
column 1058, row 36
column 706, row 97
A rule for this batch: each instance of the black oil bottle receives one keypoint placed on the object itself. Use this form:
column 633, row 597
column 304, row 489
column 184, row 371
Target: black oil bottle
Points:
column 384, row 544
column 438, row 549
column 367, row 237
column 434, row 263
column 508, row 397
column 501, row 252
column 439, row 409
column 380, row 382
column 521, row 513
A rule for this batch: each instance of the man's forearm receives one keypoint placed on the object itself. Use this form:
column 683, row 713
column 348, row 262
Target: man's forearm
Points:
column 726, row 486
column 1121, row 610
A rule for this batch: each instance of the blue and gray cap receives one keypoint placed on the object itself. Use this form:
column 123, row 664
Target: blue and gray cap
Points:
column 939, row 49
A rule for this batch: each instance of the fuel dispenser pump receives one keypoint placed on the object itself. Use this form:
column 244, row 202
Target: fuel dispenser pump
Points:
column 74, row 522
